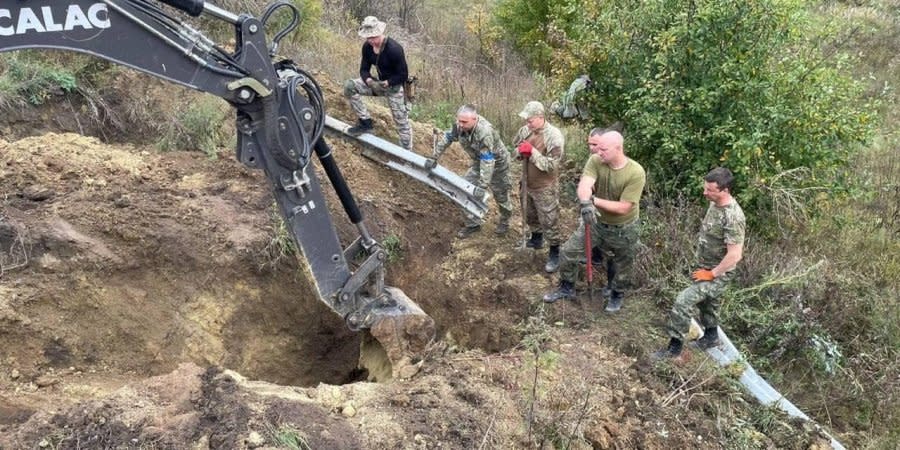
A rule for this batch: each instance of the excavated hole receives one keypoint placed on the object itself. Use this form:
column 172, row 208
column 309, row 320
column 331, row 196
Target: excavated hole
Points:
column 266, row 326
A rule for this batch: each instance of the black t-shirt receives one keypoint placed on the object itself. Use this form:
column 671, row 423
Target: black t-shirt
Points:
column 390, row 63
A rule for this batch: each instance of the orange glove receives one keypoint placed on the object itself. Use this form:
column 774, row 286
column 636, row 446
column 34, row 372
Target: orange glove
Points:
column 703, row 275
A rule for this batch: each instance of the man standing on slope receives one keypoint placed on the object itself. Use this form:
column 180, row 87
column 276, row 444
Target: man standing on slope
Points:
column 541, row 146
column 609, row 193
column 720, row 247
column 390, row 64
column 490, row 163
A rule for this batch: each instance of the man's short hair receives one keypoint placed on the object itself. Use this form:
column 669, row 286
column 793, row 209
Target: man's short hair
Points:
column 467, row 109
column 599, row 131
column 723, row 178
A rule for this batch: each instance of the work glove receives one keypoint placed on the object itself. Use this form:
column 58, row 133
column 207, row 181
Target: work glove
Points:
column 479, row 192
column 703, row 275
column 430, row 163
column 588, row 212
column 525, row 149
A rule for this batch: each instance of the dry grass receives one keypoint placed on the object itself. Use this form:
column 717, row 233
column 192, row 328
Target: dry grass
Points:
column 445, row 59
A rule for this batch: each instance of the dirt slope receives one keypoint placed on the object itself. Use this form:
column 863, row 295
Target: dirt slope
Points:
column 142, row 292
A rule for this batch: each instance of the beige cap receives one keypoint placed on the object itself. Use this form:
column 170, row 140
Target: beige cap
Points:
column 532, row 109
column 371, row 27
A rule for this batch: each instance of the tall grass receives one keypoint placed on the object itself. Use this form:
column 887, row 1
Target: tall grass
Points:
column 443, row 56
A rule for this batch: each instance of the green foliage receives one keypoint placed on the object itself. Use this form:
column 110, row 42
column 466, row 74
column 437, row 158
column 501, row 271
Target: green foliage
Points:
column 196, row 125
column 310, row 20
column 393, row 246
column 310, row 17
column 701, row 84
column 441, row 113
column 528, row 24
column 286, row 436
column 28, row 78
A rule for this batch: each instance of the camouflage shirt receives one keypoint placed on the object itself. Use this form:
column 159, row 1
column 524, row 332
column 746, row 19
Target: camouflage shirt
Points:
column 549, row 148
column 482, row 143
column 722, row 225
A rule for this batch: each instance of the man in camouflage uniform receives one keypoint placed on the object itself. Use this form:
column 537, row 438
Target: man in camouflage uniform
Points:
column 541, row 146
column 490, row 163
column 389, row 60
column 720, row 247
column 609, row 193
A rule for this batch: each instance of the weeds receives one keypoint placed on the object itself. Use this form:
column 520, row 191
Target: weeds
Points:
column 286, row 436
column 29, row 79
column 196, row 126
column 13, row 252
column 281, row 245
column 393, row 246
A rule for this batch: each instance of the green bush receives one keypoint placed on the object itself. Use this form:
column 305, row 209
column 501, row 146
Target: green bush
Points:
column 28, row 78
column 197, row 126
column 701, row 84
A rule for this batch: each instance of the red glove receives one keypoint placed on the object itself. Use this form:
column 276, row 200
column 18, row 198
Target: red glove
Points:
column 703, row 275
column 525, row 149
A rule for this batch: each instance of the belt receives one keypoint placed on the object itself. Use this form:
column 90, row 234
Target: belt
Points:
column 609, row 225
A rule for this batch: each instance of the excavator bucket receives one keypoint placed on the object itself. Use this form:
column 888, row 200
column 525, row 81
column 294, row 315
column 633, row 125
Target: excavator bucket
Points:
column 395, row 344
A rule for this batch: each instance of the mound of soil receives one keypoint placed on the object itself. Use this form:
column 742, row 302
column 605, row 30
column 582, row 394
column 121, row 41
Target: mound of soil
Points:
column 147, row 300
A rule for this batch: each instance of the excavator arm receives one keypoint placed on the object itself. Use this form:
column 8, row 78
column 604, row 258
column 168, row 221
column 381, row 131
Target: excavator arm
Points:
column 280, row 122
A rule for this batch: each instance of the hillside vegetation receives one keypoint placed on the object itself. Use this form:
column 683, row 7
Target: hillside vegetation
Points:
column 801, row 103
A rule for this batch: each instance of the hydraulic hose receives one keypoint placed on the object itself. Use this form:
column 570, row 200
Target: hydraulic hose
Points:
column 337, row 181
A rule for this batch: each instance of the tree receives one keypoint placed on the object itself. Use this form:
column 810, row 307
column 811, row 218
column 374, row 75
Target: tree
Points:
column 706, row 83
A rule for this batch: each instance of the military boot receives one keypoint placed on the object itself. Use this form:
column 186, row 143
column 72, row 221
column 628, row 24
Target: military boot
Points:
column 566, row 291
column 552, row 260
column 362, row 126
column 671, row 352
column 536, row 241
column 710, row 339
column 467, row 231
column 615, row 301
column 502, row 227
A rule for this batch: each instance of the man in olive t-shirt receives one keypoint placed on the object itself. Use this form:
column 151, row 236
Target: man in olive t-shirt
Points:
column 609, row 193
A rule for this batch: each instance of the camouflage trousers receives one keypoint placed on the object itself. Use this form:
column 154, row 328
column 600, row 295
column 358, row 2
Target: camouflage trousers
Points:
column 499, row 187
column 706, row 296
column 618, row 245
column 542, row 214
column 355, row 89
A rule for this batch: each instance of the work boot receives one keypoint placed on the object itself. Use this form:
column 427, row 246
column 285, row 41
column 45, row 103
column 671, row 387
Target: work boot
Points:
column 710, row 339
column 467, row 231
column 536, row 241
column 671, row 352
column 606, row 292
column 362, row 126
column 566, row 291
column 615, row 301
column 552, row 260
column 502, row 227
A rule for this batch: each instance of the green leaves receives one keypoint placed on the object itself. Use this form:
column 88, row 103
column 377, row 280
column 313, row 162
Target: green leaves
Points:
column 700, row 84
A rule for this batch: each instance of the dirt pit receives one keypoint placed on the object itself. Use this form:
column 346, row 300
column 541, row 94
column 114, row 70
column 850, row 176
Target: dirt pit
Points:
column 147, row 301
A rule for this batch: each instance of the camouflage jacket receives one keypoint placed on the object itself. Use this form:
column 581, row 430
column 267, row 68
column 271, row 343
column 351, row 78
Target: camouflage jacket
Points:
column 482, row 143
column 549, row 148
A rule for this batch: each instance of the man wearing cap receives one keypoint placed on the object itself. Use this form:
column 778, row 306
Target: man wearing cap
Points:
column 390, row 65
column 541, row 146
column 609, row 193
column 490, row 163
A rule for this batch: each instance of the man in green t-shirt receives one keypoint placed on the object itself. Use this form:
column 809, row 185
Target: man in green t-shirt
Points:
column 720, row 246
column 609, row 193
